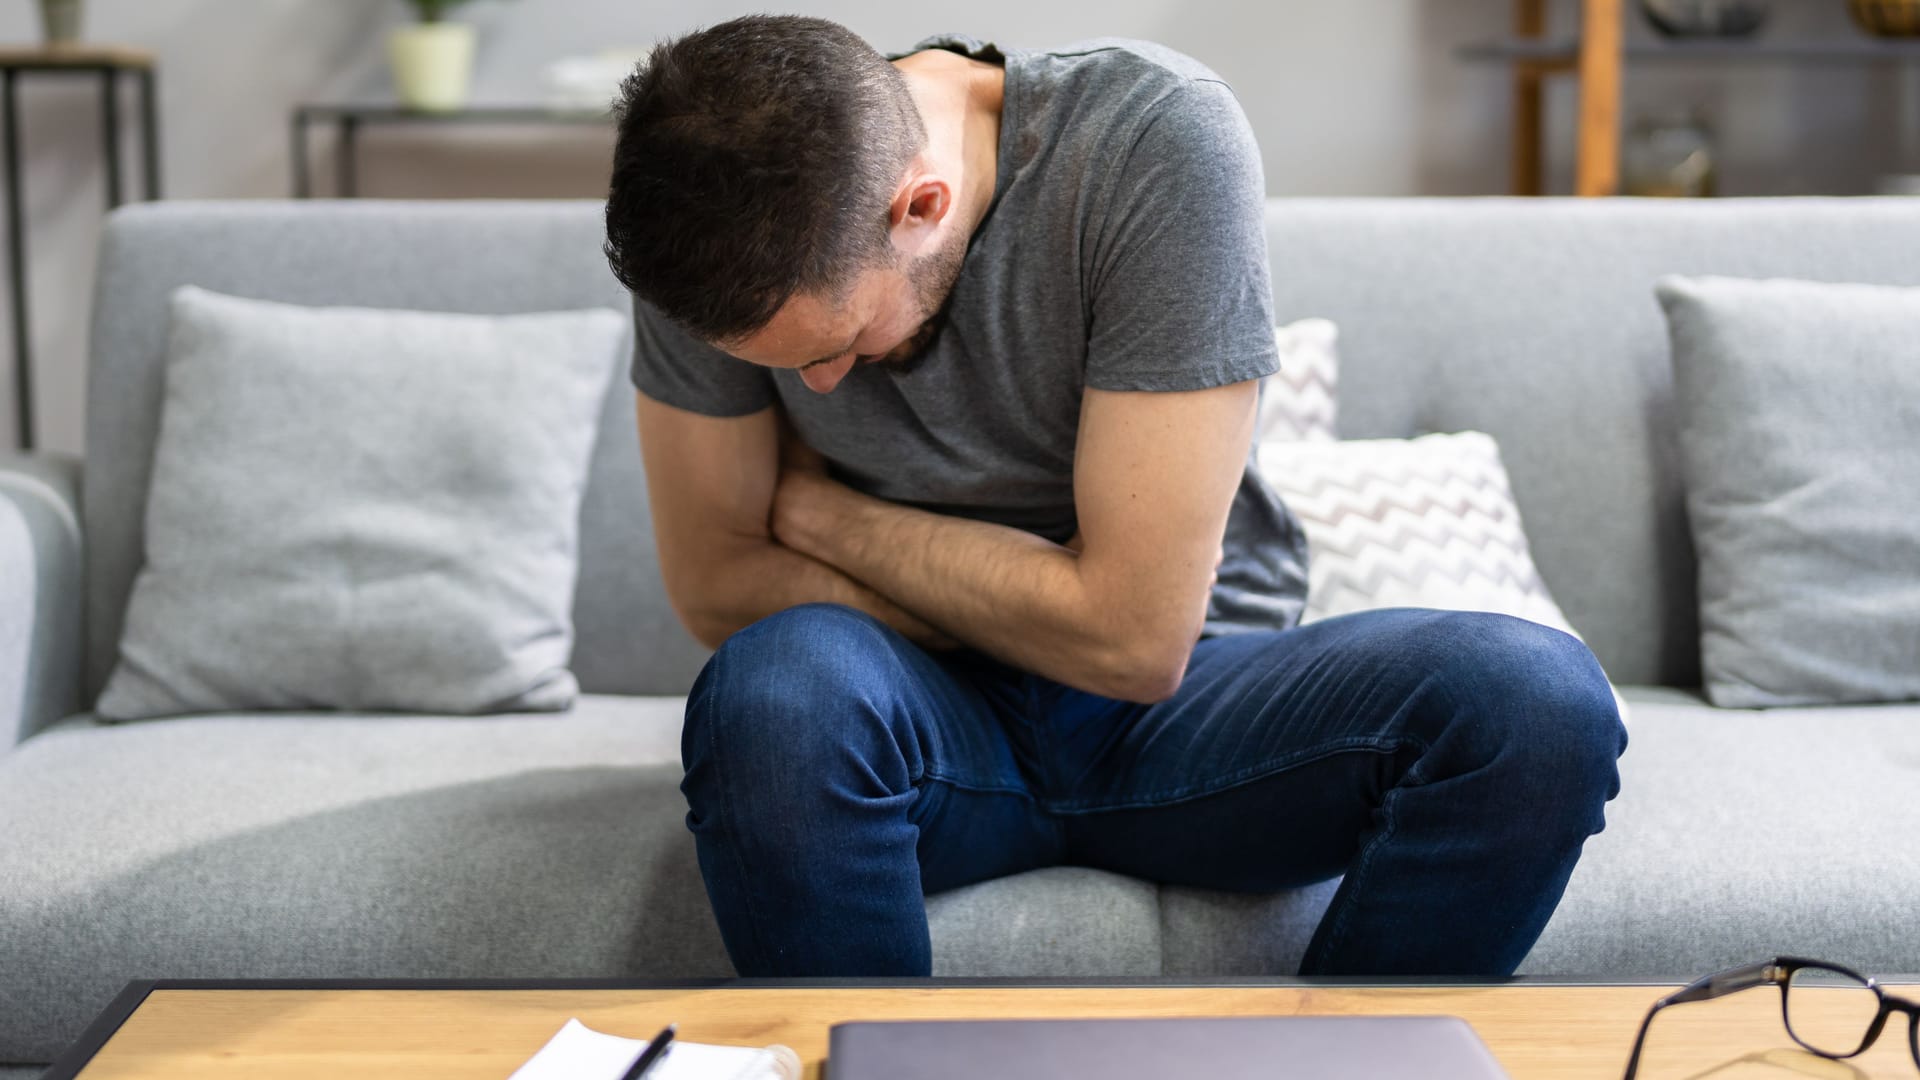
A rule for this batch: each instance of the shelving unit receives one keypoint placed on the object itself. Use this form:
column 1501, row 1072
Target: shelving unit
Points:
column 1597, row 59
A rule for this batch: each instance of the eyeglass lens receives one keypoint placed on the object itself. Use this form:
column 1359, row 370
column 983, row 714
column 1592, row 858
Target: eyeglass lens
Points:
column 1830, row 1012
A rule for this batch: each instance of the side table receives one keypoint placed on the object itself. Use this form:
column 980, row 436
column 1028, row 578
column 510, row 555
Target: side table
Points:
column 347, row 118
column 107, row 62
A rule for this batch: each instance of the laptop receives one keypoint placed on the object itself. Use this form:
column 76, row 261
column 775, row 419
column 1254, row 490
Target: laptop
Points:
column 1227, row 1048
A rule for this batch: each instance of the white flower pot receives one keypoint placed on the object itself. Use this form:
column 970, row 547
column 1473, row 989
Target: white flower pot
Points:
column 432, row 65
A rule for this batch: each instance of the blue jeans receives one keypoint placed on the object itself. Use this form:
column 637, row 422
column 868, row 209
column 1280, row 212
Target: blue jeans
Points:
column 1449, row 764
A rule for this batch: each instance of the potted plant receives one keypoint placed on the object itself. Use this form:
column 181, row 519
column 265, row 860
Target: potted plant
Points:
column 432, row 58
column 61, row 21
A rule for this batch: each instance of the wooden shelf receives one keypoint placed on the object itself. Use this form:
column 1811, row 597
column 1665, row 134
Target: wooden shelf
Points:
column 1595, row 57
column 1841, row 51
column 78, row 55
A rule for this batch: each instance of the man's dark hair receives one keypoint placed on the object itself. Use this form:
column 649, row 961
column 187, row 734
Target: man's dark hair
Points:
column 756, row 160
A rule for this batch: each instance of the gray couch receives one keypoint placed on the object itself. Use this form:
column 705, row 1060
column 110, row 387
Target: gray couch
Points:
column 552, row 845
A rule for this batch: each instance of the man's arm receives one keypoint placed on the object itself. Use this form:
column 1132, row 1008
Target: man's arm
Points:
column 1154, row 477
column 710, row 483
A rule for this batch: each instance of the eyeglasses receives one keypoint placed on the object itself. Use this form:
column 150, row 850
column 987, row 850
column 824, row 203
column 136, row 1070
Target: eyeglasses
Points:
column 1838, row 1012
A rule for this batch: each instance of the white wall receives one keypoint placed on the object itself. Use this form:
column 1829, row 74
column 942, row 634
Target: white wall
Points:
column 1361, row 97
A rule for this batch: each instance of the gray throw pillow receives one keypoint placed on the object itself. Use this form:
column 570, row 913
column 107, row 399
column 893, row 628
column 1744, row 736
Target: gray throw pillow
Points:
column 1799, row 410
column 363, row 510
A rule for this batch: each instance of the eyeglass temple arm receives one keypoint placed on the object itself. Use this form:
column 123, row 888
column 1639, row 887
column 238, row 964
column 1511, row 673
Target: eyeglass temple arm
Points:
column 1713, row 986
column 1734, row 980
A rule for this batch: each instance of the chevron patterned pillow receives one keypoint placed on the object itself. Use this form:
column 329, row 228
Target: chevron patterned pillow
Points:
column 1427, row 522
column 1298, row 402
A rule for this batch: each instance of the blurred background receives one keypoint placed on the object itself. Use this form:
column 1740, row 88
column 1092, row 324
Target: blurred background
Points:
column 1361, row 98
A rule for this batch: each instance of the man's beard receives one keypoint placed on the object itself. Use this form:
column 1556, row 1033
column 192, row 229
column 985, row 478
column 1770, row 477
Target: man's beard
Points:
column 932, row 277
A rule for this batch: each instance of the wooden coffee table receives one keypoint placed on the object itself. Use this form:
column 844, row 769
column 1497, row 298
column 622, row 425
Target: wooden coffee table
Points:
column 425, row 1031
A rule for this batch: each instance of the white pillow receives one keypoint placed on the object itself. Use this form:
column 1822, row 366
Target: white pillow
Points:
column 1427, row 523
column 1298, row 402
column 363, row 510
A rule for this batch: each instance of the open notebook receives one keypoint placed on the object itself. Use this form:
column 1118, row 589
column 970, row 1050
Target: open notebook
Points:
column 581, row 1053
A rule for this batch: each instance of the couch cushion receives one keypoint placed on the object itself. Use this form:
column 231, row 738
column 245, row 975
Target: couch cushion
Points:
column 519, row 845
column 1061, row 922
column 1208, row 933
column 460, row 255
column 1799, row 408
column 1740, row 835
column 364, row 510
column 336, row 845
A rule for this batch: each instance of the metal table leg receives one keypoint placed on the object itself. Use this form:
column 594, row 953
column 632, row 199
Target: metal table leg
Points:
column 302, row 179
column 348, row 164
column 110, row 132
column 17, row 260
column 150, row 133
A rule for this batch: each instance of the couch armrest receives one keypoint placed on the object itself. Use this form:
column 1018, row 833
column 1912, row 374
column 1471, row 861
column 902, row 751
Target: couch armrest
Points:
column 41, row 600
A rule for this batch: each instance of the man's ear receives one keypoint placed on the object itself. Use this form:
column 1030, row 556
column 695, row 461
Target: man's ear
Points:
column 921, row 203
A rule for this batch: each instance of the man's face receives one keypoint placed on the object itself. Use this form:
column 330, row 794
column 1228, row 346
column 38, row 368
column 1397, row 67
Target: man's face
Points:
column 889, row 315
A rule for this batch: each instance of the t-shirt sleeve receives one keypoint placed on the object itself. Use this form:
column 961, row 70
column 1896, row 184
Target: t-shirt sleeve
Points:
column 673, row 367
column 1181, row 296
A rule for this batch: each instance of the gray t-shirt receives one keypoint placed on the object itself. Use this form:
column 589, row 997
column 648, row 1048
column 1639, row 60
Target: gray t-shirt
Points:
column 1125, row 249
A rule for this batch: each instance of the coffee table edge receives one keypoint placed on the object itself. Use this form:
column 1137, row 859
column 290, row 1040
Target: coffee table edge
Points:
column 104, row 1026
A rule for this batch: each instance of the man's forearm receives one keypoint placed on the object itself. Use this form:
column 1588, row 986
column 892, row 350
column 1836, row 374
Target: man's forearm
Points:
column 766, row 578
column 1001, row 590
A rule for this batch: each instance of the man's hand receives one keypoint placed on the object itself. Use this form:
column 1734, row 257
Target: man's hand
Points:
column 711, row 482
column 803, row 486
column 803, row 483
column 805, row 496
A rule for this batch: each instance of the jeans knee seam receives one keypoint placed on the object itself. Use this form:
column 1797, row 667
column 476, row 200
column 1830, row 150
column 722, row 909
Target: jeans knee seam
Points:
column 1356, row 877
column 1239, row 778
column 928, row 775
column 1044, row 748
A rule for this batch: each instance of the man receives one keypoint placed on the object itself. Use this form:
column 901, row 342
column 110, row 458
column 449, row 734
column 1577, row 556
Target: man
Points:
column 947, row 370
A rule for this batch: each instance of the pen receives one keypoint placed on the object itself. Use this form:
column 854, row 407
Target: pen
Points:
column 655, row 1050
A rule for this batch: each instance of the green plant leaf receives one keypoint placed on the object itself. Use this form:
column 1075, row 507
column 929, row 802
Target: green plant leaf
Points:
column 434, row 10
